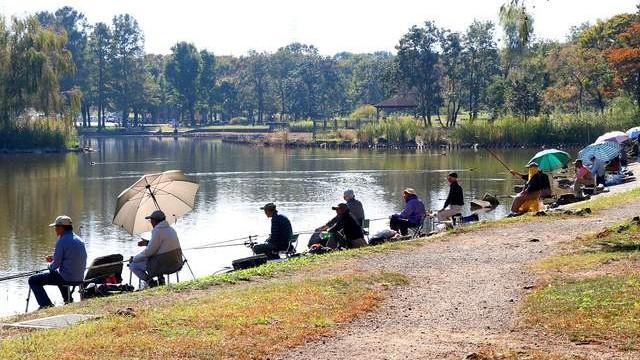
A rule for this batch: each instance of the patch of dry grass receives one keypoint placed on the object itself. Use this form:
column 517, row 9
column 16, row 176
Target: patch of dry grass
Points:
column 587, row 300
column 240, row 323
column 605, row 308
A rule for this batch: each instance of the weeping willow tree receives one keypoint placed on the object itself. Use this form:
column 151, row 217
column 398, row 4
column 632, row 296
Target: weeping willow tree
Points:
column 33, row 59
column 517, row 25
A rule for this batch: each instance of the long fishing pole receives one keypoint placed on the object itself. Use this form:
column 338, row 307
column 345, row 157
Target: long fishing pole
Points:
column 21, row 275
column 497, row 158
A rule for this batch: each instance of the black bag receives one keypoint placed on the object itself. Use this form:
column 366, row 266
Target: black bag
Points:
column 249, row 262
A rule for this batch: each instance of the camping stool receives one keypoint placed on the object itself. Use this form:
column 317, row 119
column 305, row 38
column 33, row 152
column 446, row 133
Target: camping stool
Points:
column 177, row 273
column 292, row 248
column 417, row 230
column 366, row 223
column 71, row 288
column 456, row 219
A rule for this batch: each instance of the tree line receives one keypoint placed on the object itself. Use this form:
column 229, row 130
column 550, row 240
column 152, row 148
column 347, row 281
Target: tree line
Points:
column 53, row 62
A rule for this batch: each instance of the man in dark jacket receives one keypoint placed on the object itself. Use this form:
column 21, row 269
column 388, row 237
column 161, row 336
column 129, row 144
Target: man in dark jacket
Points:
column 355, row 210
column 455, row 201
column 281, row 233
column 411, row 216
column 346, row 231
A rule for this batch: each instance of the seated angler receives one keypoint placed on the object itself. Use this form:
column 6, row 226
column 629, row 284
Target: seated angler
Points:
column 66, row 266
column 346, row 232
column 455, row 200
column 162, row 254
column 355, row 210
column 411, row 216
column 280, row 236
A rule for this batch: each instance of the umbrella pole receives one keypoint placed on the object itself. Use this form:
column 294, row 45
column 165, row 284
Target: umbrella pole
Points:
column 153, row 197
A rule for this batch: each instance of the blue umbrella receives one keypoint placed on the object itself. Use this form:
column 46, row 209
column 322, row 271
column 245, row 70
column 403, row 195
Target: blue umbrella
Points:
column 604, row 151
column 634, row 132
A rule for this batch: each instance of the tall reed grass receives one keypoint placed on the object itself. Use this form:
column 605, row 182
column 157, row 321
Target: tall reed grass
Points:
column 41, row 133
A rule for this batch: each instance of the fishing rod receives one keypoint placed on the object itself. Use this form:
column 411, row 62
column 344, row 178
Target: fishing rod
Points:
column 497, row 158
column 21, row 275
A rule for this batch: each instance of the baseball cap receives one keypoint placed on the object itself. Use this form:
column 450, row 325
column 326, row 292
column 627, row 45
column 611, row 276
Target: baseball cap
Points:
column 453, row 174
column 340, row 206
column 268, row 206
column 533, row 164
column 62, row 220
column 156, row 215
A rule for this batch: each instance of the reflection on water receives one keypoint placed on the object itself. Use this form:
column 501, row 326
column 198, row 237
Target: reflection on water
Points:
column 234, row 182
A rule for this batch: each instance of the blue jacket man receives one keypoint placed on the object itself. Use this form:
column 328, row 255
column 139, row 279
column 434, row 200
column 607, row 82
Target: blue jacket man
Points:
column 67, row 264
column 411, row 216
column 281, row 233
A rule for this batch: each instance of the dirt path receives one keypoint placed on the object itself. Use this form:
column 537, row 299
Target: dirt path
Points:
column 465, row 293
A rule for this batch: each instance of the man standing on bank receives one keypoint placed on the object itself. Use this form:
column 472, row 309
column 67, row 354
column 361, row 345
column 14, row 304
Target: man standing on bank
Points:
column 66, row 266
column 455, row 200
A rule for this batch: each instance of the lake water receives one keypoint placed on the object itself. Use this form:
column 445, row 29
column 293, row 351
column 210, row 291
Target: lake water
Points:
column 234, row 180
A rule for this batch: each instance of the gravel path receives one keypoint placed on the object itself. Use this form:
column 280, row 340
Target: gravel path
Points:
column 464, row 294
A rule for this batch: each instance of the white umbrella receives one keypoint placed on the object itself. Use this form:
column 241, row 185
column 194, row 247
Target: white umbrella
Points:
column 614, row 136
column 170, row 191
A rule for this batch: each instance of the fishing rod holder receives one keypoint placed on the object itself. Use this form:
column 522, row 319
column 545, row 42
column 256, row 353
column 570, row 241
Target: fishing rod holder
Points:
column 251, row 243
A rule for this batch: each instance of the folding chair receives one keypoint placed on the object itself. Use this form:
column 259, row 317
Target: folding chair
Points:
column 293, row 245
column 366, row 223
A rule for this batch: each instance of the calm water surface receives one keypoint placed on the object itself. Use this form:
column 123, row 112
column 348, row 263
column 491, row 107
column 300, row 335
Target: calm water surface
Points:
column 234, row 182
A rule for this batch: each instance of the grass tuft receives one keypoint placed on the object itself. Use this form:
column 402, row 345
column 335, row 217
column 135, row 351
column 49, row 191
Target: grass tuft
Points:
column 246, row 322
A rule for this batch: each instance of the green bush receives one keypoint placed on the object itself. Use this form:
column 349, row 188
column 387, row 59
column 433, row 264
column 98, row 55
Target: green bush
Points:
column 396, row 130
column 364, row 112
column 301, row 126
column 37, row 134
column 239, row 121
column 557, row 128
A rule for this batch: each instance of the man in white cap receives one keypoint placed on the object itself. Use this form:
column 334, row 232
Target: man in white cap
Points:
column 355, row 206
column 66, row 265
column 162, row 254
column 411, row 216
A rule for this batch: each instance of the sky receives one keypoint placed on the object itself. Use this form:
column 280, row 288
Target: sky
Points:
column 233, row 27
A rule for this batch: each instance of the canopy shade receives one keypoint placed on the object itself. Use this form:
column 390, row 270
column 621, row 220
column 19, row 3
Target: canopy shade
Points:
column 170, row 191
column 614, row 136
column 550, row 160
column 604, row 151
column 634, row 132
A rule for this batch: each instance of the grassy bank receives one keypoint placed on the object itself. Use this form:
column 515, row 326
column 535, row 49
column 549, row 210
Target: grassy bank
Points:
column 37, row 134
column 247, row 322
column 591, row 293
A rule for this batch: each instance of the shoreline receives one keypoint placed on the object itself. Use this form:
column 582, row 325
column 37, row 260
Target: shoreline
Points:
column 306, row 140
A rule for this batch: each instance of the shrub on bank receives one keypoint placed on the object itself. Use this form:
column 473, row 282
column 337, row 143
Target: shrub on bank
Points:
column 398, row 130
column 569, row 129
column 301, row 126
column 48, row 133
column 239, row 121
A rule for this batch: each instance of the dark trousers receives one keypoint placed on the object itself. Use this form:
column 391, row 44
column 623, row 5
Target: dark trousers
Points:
column 399, row 224
column 38, row 281
column 267, row 249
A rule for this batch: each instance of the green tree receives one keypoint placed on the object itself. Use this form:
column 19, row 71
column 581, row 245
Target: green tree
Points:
column 482, row 63
column 417, row 61
column 99, row 50
column 207, row 84
column 453, row 68
column 255, row 75
column 183, row 71
column 126, row 60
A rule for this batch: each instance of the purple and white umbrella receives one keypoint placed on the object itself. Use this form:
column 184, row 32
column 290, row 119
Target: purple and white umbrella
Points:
column 613, row 136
